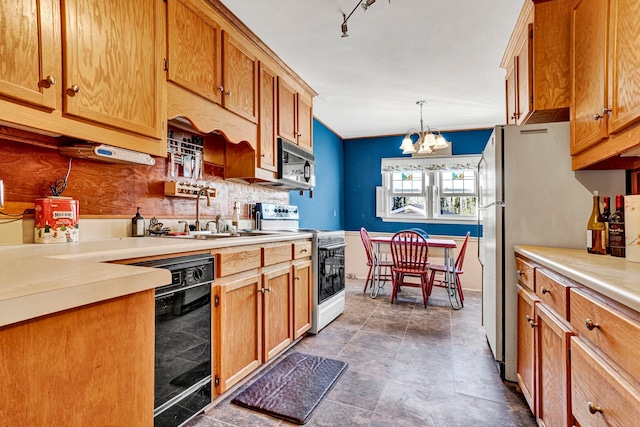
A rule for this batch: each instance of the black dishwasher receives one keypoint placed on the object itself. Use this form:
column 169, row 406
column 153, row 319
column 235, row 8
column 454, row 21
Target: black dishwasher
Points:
column 182, row 372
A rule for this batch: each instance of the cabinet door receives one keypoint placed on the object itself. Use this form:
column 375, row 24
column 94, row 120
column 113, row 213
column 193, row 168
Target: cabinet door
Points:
column 305, row 125
column 302, row 298
column 512, row 94
column 524, row 75
column 238, row 325
column 29, row 64
column 552, row 349
column 268, row 120
column 277, row 306
column 240, row 79
column 112, row 63
column 589, row 70
column 526, row 347
column 625, row 64
column 194, row 51
column 287, row 102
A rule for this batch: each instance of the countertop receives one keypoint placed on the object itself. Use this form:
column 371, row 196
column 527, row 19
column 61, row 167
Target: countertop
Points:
column 39, row 279
column 613, row 277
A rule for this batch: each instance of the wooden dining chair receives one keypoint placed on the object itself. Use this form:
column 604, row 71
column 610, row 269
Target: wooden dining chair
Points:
column 385, row 265
column 409, row 251
column 441, row 269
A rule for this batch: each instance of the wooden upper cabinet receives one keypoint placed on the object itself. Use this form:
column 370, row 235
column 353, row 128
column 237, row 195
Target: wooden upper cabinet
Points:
column 194, row 51
column 287, row 128
column 294, row 115
column 537, row 61
column 524, row 75
column 511, row 92
column 239, row 78
column 30, row 61
column 267, row 141
column 606, row 81
column 112, row 63
column 305, row 126
column 624, row 75
column 589, row 57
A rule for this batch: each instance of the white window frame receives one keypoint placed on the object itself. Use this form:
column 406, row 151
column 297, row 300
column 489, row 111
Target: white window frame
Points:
column 431, row 168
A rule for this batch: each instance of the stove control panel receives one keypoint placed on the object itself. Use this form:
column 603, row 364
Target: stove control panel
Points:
column 269, row 211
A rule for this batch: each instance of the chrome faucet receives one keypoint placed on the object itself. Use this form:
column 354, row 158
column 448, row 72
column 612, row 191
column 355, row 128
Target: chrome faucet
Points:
column 206, row 192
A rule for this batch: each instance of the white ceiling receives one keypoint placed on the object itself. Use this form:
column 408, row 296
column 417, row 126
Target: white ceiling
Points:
column 446, row 52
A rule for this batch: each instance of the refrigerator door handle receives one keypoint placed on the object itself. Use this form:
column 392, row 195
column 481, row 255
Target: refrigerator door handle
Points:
column 498, row 204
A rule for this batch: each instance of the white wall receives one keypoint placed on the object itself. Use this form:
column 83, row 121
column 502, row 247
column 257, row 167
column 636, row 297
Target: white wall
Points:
column 356, row 259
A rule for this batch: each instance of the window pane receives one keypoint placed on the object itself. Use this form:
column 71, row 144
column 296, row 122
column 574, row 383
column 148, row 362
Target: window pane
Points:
column 458, row 206
column 407, row 182
column 414, row 205
column 458, row 182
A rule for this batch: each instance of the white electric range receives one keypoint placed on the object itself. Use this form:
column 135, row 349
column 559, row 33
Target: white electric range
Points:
column 327, row 255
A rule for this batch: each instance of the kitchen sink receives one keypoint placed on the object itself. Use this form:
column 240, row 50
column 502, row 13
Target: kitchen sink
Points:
column 210, row 235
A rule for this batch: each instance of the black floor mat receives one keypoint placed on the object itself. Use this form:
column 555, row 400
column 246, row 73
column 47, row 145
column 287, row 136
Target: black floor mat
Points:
column 293, row 388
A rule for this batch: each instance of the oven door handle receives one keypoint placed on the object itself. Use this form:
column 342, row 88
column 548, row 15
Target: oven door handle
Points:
column 185, row 288
column 332, row 247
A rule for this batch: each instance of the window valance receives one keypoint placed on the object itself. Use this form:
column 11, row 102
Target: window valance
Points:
column 431, row 163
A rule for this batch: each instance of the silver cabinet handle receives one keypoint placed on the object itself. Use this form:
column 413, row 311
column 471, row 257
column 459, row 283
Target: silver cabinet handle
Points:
column 605, row 111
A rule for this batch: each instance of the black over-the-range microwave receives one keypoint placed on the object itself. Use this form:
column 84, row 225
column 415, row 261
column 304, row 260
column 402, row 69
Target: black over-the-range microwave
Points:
column 296, row 166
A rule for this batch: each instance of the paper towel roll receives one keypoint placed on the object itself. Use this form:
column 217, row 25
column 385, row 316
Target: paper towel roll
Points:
column 632, row 227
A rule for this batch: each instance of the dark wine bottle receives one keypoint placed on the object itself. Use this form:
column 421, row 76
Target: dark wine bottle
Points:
column 604, row 217
column 616, row 229
column 595, row 229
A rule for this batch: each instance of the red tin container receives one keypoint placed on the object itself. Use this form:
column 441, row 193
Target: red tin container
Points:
column 56, row 220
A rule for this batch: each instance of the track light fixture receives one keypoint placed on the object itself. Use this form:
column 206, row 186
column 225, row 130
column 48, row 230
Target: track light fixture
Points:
column 366, row 4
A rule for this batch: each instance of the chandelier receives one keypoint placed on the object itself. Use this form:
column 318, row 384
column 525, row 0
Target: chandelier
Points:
column 428, row 141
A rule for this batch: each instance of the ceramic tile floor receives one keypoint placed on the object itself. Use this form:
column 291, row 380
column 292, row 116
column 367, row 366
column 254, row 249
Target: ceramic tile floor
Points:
column 408, row 366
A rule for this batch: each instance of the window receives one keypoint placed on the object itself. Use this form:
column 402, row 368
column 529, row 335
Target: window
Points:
column 428, row 190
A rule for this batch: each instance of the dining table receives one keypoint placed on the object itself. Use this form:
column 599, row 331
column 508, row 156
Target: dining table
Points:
column 447, row 245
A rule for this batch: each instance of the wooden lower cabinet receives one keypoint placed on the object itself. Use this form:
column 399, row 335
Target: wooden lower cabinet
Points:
column 302, row 298
column 278, row 296
column 88, row 366
column 526, row 347
column 238, row 325
column 601, row 396
column 553, row 373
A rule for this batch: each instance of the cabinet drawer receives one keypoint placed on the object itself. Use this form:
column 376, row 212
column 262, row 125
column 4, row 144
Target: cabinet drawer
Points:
column 597, row 388
column 234, row 262
column 301, row 250
column 525, row 273
column 552, row 292
column 611, row 331
column 275, row 254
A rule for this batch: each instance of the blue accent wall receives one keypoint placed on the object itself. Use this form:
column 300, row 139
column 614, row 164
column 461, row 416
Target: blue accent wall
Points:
column 362, row 158
column 347, row 173
column 328, row 194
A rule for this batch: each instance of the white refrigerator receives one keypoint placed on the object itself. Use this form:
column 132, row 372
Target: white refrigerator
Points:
column 528, row 195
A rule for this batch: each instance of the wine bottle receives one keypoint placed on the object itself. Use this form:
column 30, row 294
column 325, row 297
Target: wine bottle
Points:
column 616, row 229
column 235, row 218
column 604, row 217
column 595, row 229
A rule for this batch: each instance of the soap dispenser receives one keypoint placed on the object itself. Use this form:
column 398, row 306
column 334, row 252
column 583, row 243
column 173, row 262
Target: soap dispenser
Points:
column 137, row 225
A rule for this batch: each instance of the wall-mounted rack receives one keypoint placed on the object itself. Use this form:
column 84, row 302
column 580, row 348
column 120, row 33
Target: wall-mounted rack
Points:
column 185, row 154
column 185, row 189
